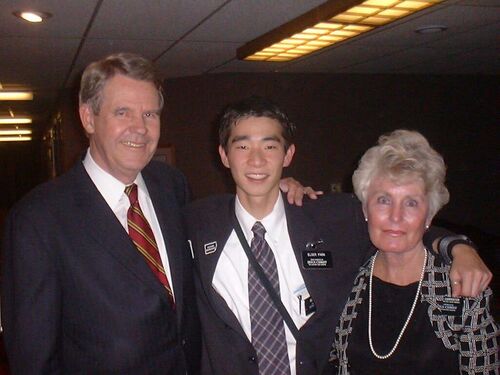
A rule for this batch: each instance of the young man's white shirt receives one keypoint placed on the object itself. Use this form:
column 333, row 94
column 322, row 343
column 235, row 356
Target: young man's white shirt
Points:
column 230, row 278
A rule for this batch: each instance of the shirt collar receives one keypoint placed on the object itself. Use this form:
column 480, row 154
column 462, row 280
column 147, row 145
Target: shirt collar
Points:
column 271, row 222
column 110, row 188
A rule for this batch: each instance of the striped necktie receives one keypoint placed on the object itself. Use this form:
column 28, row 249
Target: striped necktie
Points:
column 267, row 326
column 143, row 238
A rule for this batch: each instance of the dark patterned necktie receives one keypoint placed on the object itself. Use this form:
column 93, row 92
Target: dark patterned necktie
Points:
column 268, row 330
column 143, row 238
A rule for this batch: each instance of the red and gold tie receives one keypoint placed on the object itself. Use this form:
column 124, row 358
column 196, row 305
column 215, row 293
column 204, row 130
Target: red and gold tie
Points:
column 142, row 236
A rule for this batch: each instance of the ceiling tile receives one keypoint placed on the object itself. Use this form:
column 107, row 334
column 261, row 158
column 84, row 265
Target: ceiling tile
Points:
column 335, row 59
column 479, row 37
column 478, row 61
column 396, row 62
column 36, row 62
column 243, row 20
column 95, row 49
column 150, row 19
column 483, row 3
column 191, row 58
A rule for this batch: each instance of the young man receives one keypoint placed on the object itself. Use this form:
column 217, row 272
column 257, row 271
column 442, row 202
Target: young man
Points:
column 309, row 255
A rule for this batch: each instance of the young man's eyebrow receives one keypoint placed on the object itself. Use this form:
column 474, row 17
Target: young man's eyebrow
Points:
column 246, row 137
column 239, row 138
column 272, row 138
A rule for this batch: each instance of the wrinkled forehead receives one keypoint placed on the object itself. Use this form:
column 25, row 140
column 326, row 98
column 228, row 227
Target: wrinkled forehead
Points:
column 398, row 179
column 122, row 87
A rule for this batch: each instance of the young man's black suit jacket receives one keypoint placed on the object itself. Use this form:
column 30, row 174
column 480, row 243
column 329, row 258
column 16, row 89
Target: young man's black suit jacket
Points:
column 336, row 220
column 77, row 297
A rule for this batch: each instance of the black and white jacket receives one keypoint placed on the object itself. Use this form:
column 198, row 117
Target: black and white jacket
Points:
column 475, row 328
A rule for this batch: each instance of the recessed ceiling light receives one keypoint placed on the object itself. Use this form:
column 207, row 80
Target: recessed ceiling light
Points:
column 431, row 29
column 32, row 16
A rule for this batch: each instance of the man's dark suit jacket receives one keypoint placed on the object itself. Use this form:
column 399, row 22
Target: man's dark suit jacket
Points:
column 77, row 297
column 336, row 220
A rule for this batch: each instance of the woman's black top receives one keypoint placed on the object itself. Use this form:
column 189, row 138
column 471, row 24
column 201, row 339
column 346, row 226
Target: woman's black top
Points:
column 419, row 350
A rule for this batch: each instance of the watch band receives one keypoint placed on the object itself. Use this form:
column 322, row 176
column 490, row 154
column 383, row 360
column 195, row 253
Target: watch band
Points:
column 446, row 244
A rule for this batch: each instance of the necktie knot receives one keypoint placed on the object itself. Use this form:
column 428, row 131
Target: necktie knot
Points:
column 131, row 192
column 258, row 229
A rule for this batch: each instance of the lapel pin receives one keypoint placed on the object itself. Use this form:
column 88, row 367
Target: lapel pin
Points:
column 314, row 245
column 191, row 248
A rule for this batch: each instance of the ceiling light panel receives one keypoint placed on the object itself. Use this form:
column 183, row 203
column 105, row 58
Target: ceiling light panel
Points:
column 361, row 17
column 15, row 120
column 16, row 95
column 15, row 132
column 19, row 138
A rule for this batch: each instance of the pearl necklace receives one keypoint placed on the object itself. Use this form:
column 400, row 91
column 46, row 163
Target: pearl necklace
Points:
column 407, row 319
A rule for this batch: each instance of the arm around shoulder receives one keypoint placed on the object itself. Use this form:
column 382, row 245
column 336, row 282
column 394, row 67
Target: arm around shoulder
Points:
column 469, row 274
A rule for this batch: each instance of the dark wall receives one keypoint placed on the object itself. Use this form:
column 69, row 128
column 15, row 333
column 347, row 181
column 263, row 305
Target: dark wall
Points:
column 339, row 117
column 73, row 141
column 19, row 170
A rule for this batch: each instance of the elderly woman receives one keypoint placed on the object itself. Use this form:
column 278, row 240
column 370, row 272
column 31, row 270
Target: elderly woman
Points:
column 400, row 317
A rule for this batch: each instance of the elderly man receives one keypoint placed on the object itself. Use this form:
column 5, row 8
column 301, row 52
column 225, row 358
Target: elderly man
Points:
column 96, row 273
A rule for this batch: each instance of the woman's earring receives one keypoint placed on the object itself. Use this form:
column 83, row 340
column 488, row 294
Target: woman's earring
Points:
column 366, row 219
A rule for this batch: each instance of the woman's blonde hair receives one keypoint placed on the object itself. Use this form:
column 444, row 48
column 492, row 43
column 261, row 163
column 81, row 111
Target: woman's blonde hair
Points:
column 404, row 155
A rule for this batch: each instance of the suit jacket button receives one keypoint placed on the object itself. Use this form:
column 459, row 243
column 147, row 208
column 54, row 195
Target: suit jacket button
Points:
column 252, row 359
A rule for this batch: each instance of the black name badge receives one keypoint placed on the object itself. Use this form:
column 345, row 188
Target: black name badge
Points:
column 316, row 259
column 450, row 306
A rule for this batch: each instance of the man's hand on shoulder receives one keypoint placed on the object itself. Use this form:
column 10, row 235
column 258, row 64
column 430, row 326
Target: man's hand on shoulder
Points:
column 469, row 275
column 295, row 191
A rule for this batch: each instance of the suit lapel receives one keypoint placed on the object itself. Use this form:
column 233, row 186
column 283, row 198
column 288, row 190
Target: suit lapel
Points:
column 101, row 224
column 168, row 214
column 303, row 231
column 220, row 230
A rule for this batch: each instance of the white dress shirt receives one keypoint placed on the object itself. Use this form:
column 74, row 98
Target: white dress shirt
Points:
column 231, row 273
column 113, row 192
